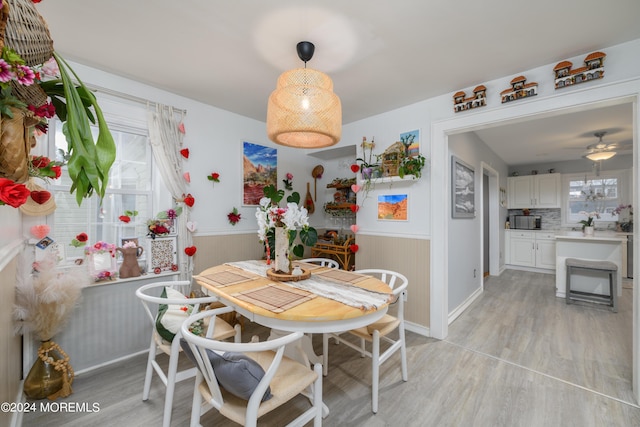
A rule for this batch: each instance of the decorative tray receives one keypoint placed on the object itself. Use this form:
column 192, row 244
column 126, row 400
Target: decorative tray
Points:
column 281, row 277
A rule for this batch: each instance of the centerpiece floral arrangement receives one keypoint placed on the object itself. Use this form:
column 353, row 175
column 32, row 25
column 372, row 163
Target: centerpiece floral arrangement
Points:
column 278, row 228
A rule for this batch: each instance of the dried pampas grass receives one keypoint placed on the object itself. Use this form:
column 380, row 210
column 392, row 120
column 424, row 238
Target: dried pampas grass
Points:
column 46, row 298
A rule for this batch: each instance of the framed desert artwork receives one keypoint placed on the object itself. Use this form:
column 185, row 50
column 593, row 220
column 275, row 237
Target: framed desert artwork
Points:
column 259, row 169
column 393, row 207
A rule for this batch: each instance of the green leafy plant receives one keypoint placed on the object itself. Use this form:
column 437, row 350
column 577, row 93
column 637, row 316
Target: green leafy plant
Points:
column 89, row 162
column 411, row 165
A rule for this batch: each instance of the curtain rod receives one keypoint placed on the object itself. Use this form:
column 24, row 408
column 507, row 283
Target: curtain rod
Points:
column 129, row 97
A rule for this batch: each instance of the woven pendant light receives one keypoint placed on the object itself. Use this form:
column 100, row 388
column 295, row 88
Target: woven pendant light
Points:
column 303, row 111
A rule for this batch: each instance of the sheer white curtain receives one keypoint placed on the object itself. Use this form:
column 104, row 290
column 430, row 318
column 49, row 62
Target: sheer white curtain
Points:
column 166, row 142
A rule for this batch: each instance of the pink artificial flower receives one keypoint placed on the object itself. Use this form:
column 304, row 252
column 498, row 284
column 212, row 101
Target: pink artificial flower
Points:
column 50, row 68
column 24, row 75
column 289, row 175
column 5, row 71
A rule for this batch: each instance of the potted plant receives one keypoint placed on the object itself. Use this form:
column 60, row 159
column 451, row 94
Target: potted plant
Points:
column 411, row 165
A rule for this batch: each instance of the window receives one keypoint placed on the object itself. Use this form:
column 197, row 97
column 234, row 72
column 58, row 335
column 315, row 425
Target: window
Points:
column 129, row 189
column 601, row 194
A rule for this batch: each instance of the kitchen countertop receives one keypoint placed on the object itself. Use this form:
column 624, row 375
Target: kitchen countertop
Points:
column 602, row 236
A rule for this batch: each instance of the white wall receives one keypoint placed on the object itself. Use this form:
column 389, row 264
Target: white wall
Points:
column 465, row 239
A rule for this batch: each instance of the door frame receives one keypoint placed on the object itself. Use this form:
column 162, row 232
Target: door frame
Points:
column 575, row 101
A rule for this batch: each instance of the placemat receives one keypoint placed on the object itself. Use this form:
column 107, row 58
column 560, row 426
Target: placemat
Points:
column 307, row 265
column 342, row 275
column 275, row 298
column 225, row 278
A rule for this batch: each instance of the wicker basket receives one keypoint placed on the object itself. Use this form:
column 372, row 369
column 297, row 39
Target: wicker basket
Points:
column 14, row 147
column 30, row 95
column 4, row 15
column 27, row 33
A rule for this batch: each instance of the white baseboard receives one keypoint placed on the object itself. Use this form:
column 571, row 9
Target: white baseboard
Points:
column 418, row 329
column 462, row 307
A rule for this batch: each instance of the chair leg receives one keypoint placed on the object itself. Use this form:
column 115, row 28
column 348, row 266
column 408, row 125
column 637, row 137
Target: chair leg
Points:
column 325, row 354
column 362, row 348
column 375, row 370
column 171, row 381
column 147, row 377
column 403, row 353
column 196, row 406
column 317, row 397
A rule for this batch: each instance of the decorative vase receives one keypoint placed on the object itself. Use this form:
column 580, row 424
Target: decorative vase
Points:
column 588, row 231
column 130, row 267
column 51, row 375
column 283, row 264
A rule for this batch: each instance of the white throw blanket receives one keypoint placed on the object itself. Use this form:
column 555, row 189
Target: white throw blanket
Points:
column 345, row 293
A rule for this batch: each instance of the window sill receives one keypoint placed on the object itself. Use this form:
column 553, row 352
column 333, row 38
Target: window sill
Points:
column 145, row 276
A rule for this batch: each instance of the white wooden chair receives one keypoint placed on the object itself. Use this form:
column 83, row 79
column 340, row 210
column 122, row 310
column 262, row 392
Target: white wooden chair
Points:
column 377, row 332
column 324, row 262
column 284, row 377
column 149, row 295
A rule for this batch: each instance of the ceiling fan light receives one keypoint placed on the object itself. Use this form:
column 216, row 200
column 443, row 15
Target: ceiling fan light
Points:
column 600, row 155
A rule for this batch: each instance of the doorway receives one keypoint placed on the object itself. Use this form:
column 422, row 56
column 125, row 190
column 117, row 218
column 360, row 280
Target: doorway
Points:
column 598, row 97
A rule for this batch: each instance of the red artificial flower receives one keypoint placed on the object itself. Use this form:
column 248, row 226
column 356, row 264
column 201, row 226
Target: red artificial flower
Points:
column 215, row 177
column 57, row 170
column 234, row 217
column 160, row 229
column 124, row 218
column 185, row 153
column 189, row 200
column 183, row 308
column 40, row 161
column 13, row 194
column 82, row 237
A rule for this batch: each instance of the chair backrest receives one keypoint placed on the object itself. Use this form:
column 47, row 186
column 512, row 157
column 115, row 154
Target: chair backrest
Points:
column 324, row 262
column 150, row 297
column 397, row 282
column 199, row 346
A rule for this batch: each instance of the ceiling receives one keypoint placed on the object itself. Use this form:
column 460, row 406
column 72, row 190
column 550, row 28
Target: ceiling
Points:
column 381, row 54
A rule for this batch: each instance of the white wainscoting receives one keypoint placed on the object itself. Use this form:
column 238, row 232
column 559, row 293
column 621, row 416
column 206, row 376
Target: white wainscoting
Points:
column 108, row 325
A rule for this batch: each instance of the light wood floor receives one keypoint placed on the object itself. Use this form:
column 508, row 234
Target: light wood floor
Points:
column 517, row 357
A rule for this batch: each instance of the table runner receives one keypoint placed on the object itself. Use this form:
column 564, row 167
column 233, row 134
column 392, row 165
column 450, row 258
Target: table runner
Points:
column 273, row 297
column 343, row 291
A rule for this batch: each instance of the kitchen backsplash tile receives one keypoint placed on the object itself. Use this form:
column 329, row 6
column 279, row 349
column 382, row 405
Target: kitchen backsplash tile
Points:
column 551, row 218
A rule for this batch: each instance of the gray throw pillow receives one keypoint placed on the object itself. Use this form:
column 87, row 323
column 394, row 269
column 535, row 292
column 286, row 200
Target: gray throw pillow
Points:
column 236, row 373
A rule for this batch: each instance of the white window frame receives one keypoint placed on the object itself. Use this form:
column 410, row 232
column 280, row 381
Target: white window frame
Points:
column 128, row 116
column 623, row 194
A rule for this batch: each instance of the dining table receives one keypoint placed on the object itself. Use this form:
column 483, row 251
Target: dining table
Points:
column 329, row 300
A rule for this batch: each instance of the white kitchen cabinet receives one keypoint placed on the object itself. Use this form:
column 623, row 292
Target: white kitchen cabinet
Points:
column 545, row 250
column 532, row 249
column 534, row 191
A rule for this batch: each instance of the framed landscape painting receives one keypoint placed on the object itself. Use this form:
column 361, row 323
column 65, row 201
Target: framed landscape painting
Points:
column 392, row 207
column 463, row 204
column 259, row 169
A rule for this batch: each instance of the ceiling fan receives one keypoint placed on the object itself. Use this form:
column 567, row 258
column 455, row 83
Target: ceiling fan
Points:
column 603, row 150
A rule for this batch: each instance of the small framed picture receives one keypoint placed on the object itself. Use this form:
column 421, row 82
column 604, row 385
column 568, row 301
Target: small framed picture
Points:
column 393, row 207
column 463, row 193
column 163, row 254
column 44, row 243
